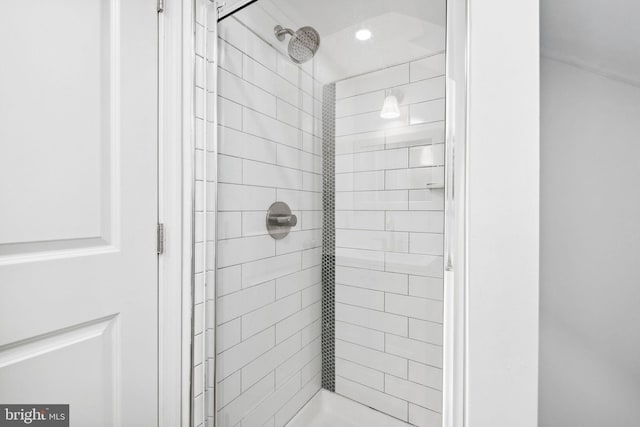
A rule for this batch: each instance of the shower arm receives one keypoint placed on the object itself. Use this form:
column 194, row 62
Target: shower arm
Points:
column 280, row 31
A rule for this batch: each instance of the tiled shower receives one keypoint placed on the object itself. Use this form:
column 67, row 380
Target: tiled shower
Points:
column 268, row 291
column 389, row 241
column 351, row 300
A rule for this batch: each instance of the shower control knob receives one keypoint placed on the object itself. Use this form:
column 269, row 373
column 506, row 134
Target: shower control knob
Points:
column 283, row 220
column 280, row 220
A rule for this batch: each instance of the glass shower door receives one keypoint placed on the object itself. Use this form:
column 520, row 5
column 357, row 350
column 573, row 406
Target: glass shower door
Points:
column 330, row 213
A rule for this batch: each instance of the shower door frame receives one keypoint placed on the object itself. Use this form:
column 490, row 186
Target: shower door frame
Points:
column 176, row 187
column 454, row 404
column 454, row 408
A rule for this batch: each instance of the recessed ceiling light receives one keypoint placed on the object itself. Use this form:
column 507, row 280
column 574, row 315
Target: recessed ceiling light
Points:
column 363, row 34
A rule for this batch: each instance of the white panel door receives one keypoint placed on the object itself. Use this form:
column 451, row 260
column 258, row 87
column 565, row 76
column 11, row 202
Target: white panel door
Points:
column 78, row 208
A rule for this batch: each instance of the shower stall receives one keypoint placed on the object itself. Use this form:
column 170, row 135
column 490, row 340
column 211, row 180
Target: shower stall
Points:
column 326, row 272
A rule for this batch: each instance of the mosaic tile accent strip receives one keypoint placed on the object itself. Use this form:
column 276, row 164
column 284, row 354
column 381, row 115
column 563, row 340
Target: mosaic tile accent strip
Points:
column 328, row 236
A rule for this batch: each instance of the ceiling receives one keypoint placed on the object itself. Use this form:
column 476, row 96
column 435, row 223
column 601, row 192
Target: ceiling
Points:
column 600, row 34
column 402, row 30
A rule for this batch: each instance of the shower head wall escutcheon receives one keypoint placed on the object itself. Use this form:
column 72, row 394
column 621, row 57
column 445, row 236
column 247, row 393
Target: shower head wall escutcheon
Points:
column 280, row 32
column 303, row 45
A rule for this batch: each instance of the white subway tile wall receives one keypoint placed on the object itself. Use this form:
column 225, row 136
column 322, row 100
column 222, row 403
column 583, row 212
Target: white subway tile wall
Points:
column 389, row 241
column 203, row 185
column 268, row 292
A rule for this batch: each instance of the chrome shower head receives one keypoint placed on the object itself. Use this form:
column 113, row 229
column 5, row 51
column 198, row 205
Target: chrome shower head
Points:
column 303, row 45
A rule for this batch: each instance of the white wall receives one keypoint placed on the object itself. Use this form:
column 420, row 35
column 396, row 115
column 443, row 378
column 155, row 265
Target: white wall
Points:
column 389, row 241
column 590, row 248
column 503, row 191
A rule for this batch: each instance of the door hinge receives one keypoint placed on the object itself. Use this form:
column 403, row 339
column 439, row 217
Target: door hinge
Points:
column 160, row 239
column 160, row 6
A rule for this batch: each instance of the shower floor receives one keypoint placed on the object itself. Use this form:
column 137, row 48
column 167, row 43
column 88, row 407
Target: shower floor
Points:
column 331, row 410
